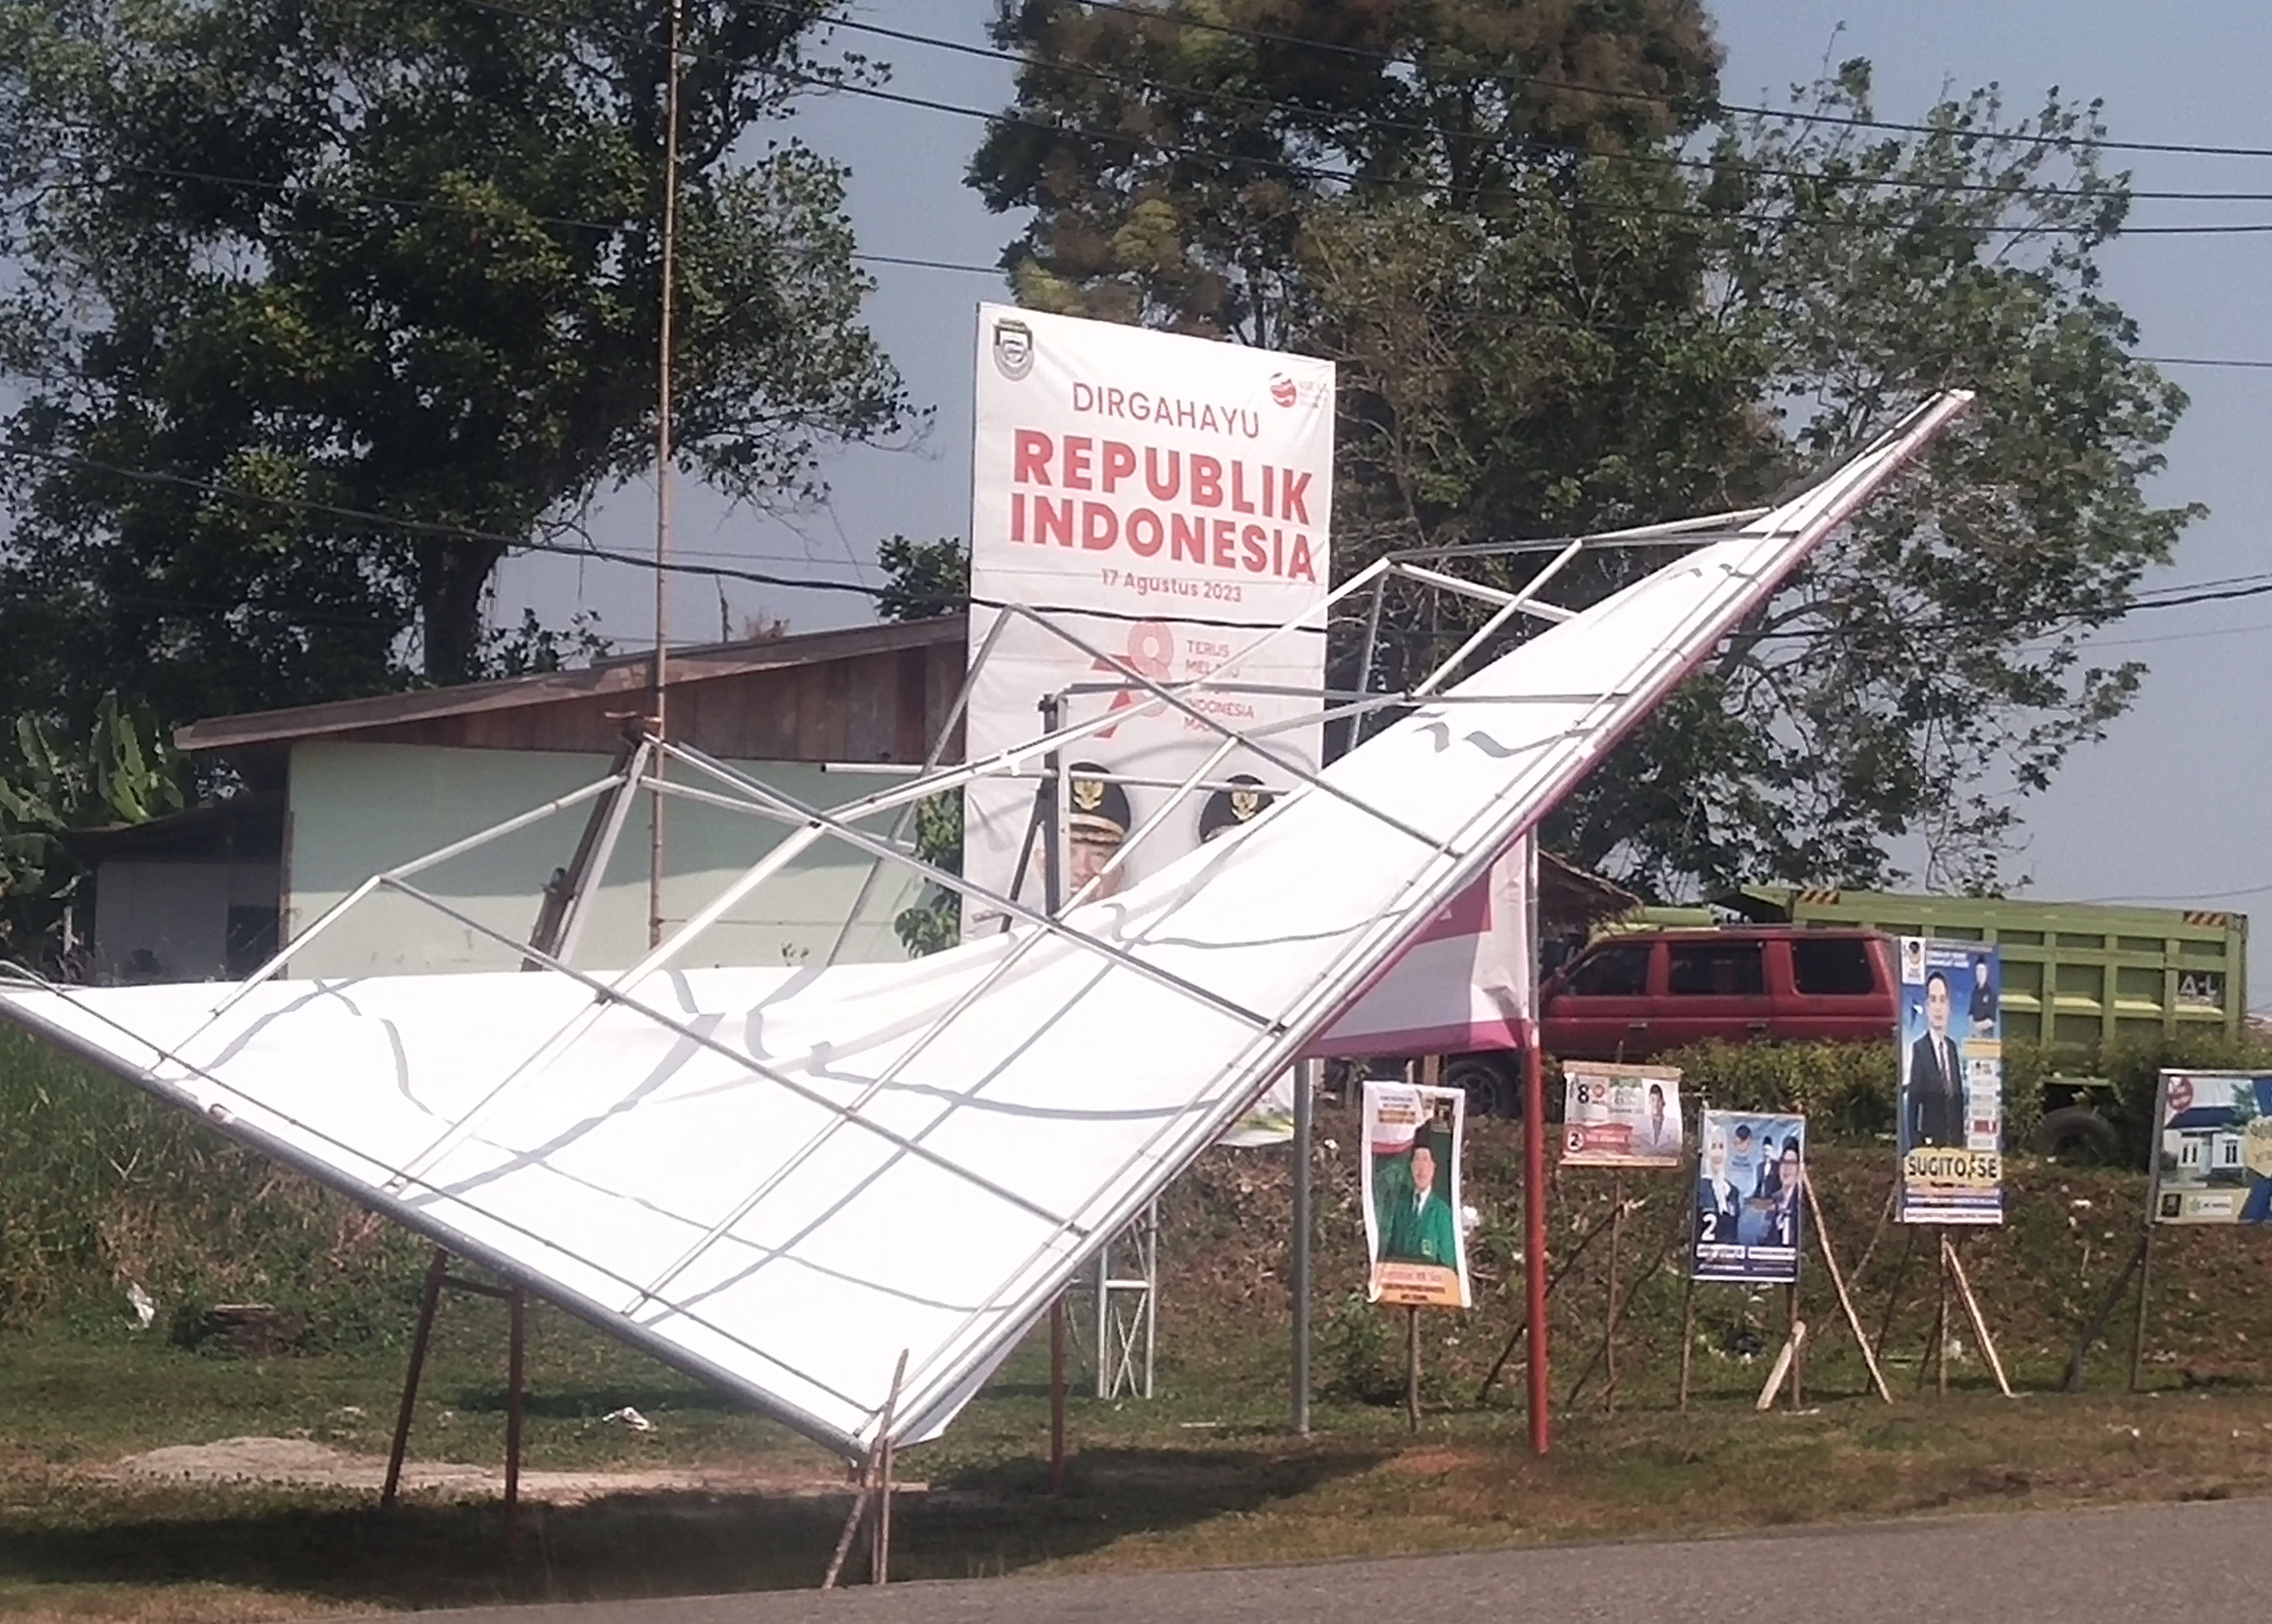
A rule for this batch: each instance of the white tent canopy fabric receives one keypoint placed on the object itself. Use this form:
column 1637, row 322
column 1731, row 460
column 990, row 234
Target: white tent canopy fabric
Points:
column 782, row 1179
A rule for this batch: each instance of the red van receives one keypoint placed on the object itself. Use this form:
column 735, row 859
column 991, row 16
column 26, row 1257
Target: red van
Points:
column 1633, row 996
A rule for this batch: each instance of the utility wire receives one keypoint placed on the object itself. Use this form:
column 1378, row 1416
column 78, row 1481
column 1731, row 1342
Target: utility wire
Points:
column 430, row 527
column 1659, row 99
column 1397, row 126
column 2237, row 587
column 1345, row 178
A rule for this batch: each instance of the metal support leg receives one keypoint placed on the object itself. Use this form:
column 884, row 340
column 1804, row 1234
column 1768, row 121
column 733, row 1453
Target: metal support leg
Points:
column 436, row 1271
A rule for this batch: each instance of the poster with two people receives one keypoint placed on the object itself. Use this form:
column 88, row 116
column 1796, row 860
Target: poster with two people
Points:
column 1415, row 1239
column 1951, row 1104
column 1751, row 1193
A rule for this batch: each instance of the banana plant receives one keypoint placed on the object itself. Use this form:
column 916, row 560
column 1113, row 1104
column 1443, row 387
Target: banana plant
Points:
column 123, row 771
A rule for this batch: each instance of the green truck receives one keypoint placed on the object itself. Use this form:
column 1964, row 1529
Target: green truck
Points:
column 2079, row 973
column 2074, row 972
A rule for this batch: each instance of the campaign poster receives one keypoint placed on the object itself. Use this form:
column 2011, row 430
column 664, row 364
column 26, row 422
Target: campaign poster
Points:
column 1951, row 1130
column 1751, row 1184
column 1621, row 1116
column 2213, row 1150
column 1414, row 1242
column 1167, row 500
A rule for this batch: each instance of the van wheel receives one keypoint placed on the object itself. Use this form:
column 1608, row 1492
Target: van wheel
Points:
column 1488, row 1082
column 2077, row 1133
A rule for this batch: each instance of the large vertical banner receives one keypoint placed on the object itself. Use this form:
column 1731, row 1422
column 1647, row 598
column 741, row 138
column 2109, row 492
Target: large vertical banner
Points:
column 1168, row 500
column 2213, row 1148
column 1751, row 1189
column 1951, row 1132
column 1415, row 1241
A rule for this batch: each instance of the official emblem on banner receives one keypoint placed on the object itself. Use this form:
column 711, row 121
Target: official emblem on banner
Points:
column 1013, row 349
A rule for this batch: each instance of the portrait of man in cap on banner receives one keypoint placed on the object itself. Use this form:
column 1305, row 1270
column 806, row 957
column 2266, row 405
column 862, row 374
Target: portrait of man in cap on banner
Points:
column 1233, row 808
column 1097, row 820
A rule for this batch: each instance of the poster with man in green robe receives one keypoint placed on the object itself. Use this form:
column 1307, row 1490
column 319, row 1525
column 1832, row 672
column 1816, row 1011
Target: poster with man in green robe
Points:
column 1415, row 1239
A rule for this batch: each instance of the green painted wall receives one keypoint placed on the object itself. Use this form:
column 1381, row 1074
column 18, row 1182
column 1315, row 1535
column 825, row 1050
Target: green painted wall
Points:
column 359, row 808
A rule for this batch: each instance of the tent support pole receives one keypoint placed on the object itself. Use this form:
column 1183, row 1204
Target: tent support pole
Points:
column 428, row 1303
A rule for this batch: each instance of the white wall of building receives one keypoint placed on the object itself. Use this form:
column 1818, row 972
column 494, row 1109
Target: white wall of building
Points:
column 355, row 809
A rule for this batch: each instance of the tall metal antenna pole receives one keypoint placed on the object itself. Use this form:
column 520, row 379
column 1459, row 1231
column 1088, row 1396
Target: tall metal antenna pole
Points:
column 656, row 714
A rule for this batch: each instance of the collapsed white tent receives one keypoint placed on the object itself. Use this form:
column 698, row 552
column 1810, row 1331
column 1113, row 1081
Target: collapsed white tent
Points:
column 784, row 1180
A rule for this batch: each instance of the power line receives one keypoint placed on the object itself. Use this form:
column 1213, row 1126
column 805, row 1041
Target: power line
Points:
column 1363, row 122
column 1344, row 177
column 1619, row 93
column 999, row 272
column 430, row 527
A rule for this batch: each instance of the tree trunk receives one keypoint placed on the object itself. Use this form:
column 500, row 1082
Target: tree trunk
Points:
column 451, row 577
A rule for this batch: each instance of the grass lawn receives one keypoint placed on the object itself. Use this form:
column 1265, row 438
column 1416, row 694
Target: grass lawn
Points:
column 1204, row 1473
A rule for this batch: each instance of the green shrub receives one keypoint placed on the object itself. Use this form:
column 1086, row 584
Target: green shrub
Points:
column 1847, row 1090
column 102, row 1185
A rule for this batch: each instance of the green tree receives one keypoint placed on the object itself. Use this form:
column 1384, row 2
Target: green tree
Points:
column 928, row 578
column 323, row 305
column 1565, row 292
column 124, row 772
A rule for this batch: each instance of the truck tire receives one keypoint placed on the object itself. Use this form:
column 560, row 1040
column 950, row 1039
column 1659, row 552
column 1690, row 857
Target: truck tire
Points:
column 2077, row 1133
column 1490, row 1082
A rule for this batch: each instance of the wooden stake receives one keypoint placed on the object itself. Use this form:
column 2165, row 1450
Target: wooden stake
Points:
column 1980, row 1320
column 1941, row 1317
column 1885, row 1217
column 1845, row 1299
column 1688, row 1311
column 1632, row 1290
column 1412, row 1368
column 1791, row 1323
column 1058, row 1395
column 1569, row 1260
column 2070, row 1379
column 2145, row 1285
column 1901, row 1279
column 1610, row 1312
column 1783, row 1361
column 870, row 1466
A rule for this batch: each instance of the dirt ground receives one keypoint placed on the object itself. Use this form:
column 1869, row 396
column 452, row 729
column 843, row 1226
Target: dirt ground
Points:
column 301, row 1462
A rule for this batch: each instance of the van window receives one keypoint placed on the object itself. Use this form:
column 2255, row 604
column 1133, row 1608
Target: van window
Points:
column 1834, row 966
column 1617, row 971
column 1717, row 970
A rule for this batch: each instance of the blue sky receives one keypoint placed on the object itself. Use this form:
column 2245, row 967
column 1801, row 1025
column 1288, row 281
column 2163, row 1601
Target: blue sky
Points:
column 2169, row 808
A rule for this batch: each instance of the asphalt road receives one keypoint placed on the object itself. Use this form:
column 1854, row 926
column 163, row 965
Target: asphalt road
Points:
column 2035, row 1567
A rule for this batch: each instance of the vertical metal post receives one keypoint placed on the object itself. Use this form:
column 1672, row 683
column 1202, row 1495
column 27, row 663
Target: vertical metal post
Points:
column 516, row 1307
column 1151, row 1290
column 1534, row 1231
column 427, row 1306
column 1305, row 1082
column 667, row 273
